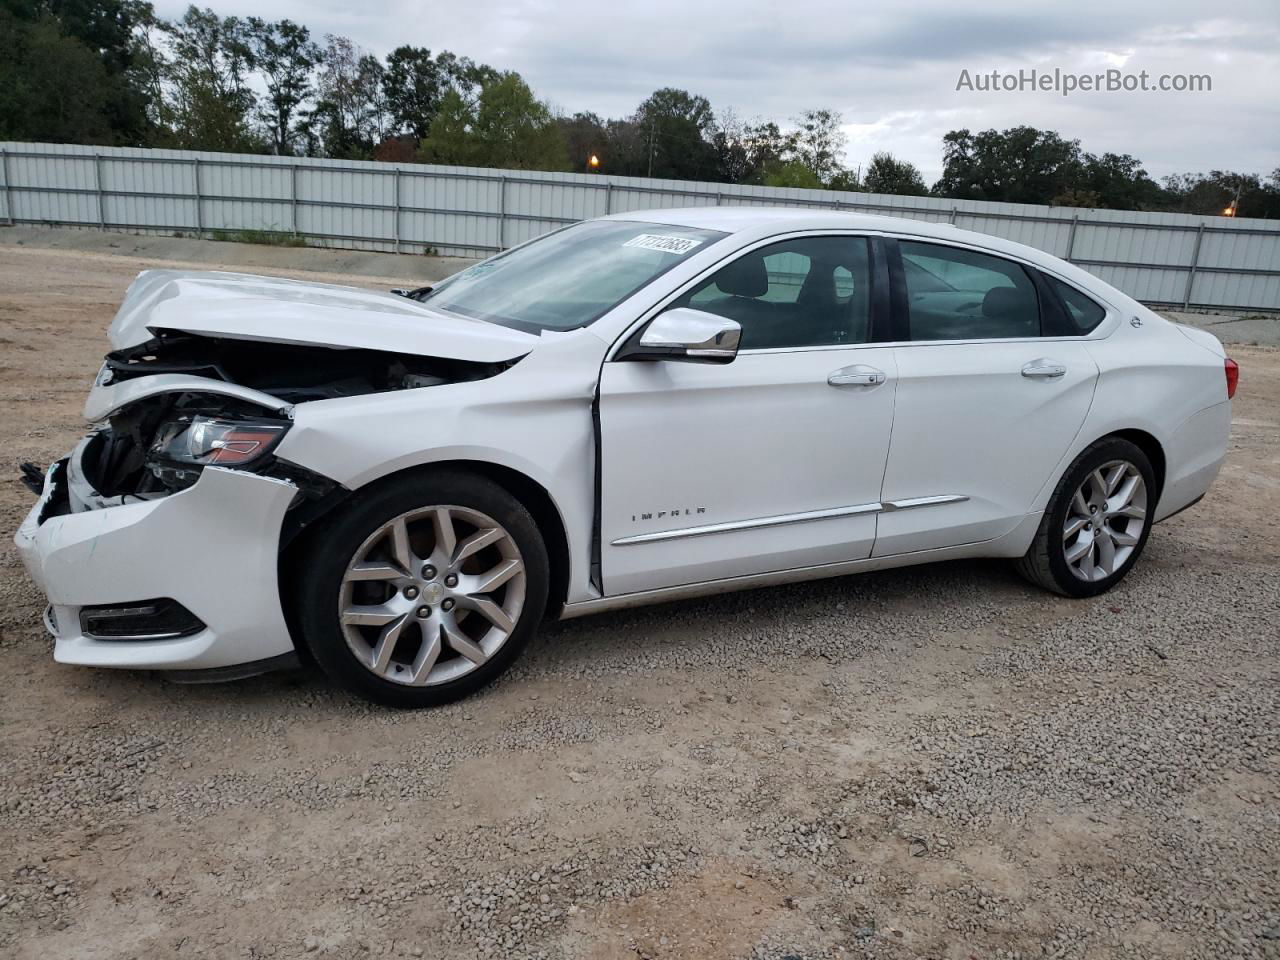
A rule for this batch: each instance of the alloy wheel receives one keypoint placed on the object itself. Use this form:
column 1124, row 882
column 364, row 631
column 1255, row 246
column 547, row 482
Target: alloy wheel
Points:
column 432, row 595
column 1105, row 520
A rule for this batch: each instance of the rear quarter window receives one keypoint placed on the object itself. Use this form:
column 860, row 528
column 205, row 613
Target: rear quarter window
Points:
column 1083, row 312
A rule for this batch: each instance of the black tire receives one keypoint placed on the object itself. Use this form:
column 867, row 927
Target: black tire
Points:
column 1045, row 563
column 320, row 579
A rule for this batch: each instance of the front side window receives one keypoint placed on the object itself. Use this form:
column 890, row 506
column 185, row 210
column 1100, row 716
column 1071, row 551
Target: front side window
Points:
column 569, row 278
column 811, row 291
column 1085, row 314
column 958, row 294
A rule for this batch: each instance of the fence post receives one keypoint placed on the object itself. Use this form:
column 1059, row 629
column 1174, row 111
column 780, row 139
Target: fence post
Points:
column 952, row 219
column 195, row 166
column 608, row 197
column 1195, row 261
column 396, row 188
column 502, row 215
column 8, row 186
column 1071, row 238
column 293, row 198
column 97, row 185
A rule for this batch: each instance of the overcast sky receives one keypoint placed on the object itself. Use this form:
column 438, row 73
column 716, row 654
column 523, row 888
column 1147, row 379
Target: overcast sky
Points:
column 890, row 69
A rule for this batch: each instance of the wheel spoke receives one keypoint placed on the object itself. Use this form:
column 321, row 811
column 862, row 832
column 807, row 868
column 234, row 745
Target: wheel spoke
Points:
column 491, row 612
column 400, row 549
column 387, row 644
column 1086, row 562
column 1113, row 481
column 1106, row 553
column 427, row 657
column 464, row 645
column 374, row 570
column 446, row 537
column 1079, row 504
column 1099, row 485
column 1080, row 548
column 369, row 615
column 1123, row 538
column 1124, row 496
column 477, row 542
column 1074, row 526
column 1137, row 513
column 488, row 582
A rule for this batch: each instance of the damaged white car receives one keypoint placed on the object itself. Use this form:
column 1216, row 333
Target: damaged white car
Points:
column 628, row 410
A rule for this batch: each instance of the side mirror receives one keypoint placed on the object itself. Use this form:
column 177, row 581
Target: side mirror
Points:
column 686, row 334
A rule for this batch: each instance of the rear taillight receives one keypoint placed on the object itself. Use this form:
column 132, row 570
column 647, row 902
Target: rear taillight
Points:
column 1233, row 376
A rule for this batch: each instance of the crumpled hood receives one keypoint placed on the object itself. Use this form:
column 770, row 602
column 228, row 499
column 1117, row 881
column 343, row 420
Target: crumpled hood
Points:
column 246, row 307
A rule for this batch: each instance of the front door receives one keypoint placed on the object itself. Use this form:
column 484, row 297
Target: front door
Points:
column 768, row 463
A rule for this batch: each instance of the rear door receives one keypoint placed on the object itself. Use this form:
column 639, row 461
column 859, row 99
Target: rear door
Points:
column 986, row 403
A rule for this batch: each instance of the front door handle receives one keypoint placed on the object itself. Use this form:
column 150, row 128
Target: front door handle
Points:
column 858, row 375
column 1044, row 369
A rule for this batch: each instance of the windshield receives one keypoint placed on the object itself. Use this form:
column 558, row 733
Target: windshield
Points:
column 569, row 278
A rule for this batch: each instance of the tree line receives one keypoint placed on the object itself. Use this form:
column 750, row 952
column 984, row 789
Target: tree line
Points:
column 112, row 72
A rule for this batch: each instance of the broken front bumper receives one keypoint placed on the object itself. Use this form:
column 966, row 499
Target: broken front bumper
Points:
column 213, row 548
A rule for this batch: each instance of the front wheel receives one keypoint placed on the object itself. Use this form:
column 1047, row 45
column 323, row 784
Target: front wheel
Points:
column 424, row 590
column 1097, row 522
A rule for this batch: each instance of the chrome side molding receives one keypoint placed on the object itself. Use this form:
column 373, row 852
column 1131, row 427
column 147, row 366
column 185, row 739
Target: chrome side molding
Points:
column 787, row 518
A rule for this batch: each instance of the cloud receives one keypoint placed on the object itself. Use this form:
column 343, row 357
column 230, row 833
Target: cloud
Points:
column 890, row 69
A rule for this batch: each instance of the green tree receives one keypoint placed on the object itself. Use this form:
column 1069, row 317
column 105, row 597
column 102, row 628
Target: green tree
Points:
column 818, row 143
column 1018, row 165
column 585, row 135
column 68, row 71
column 675, row 127
column 210, row 105
column 791, row 173
column 1212, row 193
column 887, row 174
column 350, row 117
column 284, row 55
column 52, row 87
column 507, row 127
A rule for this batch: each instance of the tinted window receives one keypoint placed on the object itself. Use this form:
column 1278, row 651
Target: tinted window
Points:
column 1084, row 313
column 957, row 294
column 807, row 292
column 571, row 277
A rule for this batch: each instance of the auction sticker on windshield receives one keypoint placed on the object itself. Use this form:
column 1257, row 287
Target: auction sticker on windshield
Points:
column 657, row 241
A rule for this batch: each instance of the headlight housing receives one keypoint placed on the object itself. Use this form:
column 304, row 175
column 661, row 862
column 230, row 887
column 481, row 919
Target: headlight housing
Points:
column 199, row 441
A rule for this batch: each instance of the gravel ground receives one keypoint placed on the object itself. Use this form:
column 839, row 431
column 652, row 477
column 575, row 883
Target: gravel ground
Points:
column 936, row 762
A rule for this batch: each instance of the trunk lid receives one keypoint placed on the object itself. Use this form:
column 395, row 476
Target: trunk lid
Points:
column 247, row 307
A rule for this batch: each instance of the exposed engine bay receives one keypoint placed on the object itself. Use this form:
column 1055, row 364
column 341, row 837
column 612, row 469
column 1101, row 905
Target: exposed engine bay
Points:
column 292, row 372
column 160, row 444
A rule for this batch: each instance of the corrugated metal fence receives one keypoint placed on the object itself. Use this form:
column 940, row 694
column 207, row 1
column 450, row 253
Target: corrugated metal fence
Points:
column 1169, row 259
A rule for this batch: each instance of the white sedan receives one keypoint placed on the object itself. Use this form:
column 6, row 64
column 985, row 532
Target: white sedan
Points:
column 633, row 409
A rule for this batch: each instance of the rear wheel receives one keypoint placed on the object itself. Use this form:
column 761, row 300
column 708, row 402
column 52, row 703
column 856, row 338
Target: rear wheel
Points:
column 425, row 590
column 1097, row 522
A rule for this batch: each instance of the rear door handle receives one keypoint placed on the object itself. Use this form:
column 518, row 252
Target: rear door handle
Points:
column 858, row 375
column 1044, row 369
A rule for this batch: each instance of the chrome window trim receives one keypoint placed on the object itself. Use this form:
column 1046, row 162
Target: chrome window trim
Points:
column 1108, row 326
column 886, row 506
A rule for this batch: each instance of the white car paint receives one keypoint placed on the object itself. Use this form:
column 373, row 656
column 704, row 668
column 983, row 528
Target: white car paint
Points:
column 247, row 307
column 953, row 454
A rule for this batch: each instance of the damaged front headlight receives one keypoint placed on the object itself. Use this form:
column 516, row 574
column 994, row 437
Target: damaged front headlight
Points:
column 183, row 447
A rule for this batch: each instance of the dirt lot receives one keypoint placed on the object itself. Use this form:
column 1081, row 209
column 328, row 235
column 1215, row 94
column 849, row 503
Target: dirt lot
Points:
column 939, row 762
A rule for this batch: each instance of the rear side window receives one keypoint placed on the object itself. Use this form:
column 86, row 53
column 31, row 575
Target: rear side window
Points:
column 1084, row 313
column 959, row 294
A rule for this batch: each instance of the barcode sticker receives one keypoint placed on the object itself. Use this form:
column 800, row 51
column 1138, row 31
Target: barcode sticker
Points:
column 656, row 241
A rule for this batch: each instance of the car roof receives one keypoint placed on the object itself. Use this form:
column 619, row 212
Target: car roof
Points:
column 762, row 221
